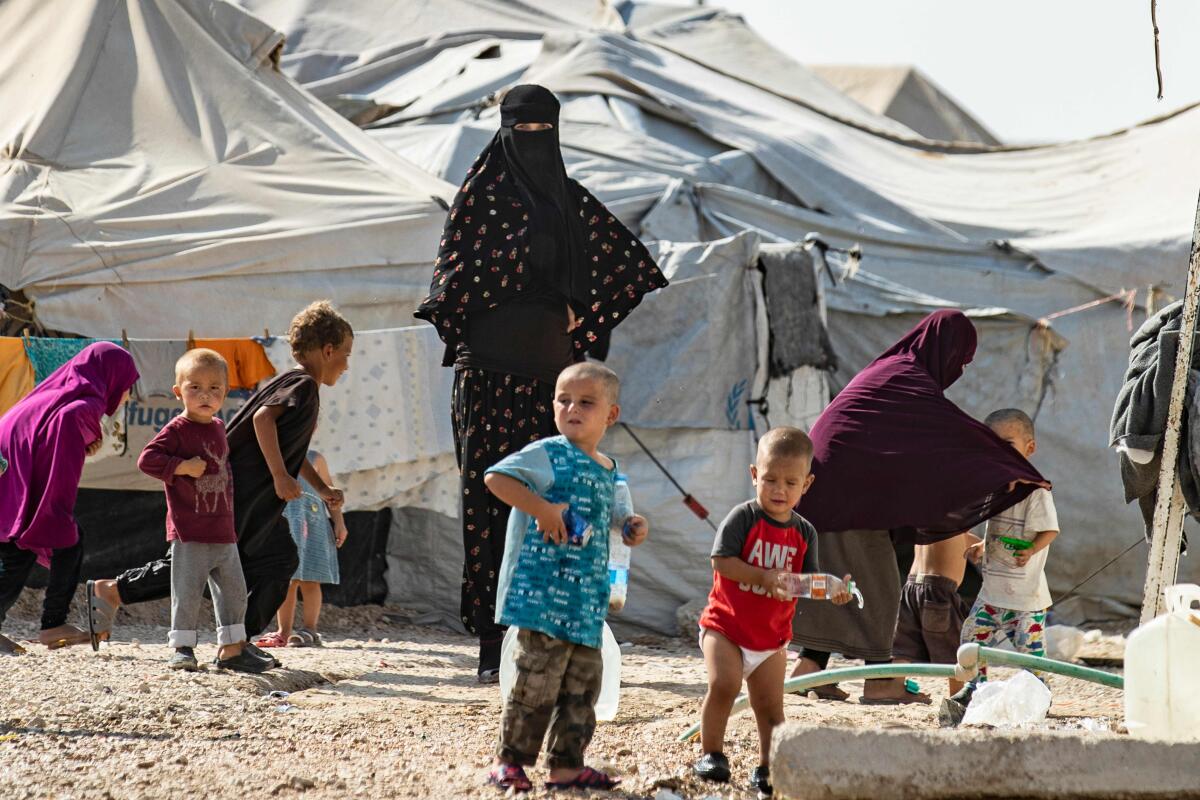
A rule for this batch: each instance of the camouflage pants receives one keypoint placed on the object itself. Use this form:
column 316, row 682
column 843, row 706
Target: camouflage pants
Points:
column 556, row 688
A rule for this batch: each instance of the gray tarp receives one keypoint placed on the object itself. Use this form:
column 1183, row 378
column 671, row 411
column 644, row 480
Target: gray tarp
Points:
column 160, row 175
column 263, row 193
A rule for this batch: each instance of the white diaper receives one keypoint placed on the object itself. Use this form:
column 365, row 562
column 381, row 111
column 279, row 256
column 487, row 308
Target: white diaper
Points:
column 751, row 659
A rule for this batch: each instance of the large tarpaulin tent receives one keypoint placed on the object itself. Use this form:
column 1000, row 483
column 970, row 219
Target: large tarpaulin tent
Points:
column 160, row 174
column 740, row 137
column 722, row 149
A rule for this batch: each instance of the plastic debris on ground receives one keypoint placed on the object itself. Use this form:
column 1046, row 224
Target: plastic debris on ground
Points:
column 1021, row 700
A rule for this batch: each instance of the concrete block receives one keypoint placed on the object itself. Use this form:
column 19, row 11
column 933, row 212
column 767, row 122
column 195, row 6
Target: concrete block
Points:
column 809, row 763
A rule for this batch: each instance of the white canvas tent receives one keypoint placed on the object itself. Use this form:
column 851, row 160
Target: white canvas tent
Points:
column 160, row 174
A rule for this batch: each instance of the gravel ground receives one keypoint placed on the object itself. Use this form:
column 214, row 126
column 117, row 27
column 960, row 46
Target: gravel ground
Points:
column 385, row 709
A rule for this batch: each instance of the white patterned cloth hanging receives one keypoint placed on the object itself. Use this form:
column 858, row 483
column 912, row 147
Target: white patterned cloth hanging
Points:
column 391, row 407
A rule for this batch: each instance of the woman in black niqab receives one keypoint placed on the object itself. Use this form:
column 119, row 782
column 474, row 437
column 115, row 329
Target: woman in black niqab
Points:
column 532, row 274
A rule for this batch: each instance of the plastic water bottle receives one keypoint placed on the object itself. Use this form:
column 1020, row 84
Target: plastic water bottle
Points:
column 618, row 551
column 818, row 586
column 1162, row 684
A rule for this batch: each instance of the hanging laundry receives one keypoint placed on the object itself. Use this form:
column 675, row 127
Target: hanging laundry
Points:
column 16, row 373
column 390, row 407
column 248, row 364
column 155, row 359
column 798, row 336
column 48, row 354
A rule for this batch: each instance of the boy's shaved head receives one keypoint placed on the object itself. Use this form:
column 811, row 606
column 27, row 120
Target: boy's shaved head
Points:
column 590, row 370
column 200, row 358
column 1011, row 416
column 785, row 442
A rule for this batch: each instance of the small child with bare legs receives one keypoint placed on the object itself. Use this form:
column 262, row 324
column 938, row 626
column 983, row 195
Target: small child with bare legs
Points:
column 747, row 624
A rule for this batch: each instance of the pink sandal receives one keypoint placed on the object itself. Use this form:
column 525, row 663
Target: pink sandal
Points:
column 273, row 639
column 510, row 776
column 588, row 778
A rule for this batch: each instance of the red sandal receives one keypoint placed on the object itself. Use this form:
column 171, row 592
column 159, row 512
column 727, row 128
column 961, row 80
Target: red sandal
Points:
column 588, row 778
column 510, row 776
column 273, row 639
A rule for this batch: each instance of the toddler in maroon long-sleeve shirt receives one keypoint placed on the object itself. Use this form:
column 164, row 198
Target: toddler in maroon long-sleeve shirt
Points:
column 190, row 455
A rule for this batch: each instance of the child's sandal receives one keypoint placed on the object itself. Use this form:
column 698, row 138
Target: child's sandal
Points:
column 301, row 638
column 510, row 776
column 588, row 778
column 273, row 639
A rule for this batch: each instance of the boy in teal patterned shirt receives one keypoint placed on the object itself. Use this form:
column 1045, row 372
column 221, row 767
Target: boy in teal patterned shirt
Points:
column 556, row 591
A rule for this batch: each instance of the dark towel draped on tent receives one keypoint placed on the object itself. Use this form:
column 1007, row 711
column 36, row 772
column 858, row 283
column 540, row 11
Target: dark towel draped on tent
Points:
column 522, row 243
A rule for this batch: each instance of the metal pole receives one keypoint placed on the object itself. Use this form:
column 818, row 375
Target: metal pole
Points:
column 1168, row 508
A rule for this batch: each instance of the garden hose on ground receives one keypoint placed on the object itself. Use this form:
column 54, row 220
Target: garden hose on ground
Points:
column 970, row 656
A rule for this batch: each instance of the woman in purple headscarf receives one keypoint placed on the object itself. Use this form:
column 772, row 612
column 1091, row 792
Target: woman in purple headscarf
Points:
column 43, row 442
column 892, row 455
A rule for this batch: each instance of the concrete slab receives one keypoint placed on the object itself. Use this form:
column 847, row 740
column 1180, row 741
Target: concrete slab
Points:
column 809, row 763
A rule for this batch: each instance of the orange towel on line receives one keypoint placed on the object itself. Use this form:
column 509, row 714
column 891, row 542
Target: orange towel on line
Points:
column 248, row 363
column 16, row 372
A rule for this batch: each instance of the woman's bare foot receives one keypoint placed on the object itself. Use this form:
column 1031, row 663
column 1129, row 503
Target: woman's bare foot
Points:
column 63, row 636
column 891, row 690
column 829, row 691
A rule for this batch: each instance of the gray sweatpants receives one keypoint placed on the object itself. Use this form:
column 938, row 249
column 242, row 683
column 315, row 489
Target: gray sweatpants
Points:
column 194, row 564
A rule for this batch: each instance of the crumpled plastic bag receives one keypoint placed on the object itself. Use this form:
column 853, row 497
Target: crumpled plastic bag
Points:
column 1019, row 701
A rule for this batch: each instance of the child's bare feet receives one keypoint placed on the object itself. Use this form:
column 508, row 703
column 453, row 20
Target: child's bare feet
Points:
column 63, row 636
column 103, row 602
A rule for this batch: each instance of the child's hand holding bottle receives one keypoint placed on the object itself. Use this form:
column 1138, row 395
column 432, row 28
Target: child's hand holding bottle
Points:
column 842, row 595
column 550, row 522
column 635, row 530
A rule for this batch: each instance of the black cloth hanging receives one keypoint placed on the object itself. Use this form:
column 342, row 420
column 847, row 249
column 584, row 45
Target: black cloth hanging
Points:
column 520, row 228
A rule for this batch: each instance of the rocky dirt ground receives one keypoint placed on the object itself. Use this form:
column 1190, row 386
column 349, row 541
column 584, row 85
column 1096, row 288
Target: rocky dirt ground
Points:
column 386, row 709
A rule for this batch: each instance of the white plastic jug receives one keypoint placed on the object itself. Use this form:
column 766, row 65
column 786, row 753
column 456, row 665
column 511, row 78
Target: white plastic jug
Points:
column 610, row 685
column 1162, row 671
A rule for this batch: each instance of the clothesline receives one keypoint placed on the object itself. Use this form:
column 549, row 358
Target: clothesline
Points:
column 1128, row 299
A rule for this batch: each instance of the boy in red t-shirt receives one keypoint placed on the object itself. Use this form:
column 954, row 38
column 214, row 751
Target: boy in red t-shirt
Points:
column 745, row 629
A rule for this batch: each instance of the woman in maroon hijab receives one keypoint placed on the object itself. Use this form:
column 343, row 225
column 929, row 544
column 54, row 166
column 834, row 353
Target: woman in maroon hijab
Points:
column 892, row 454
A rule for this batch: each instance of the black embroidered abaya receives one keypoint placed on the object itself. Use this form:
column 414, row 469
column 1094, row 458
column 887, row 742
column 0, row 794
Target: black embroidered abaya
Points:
column 524, row 248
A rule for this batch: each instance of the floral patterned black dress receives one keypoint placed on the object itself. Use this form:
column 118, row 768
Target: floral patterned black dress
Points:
column 506, row 335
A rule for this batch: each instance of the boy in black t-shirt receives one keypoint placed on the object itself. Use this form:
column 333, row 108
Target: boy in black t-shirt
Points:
column 268, row 441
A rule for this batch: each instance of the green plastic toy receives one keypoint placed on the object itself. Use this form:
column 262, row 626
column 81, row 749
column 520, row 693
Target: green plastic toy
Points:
column 1014, row 544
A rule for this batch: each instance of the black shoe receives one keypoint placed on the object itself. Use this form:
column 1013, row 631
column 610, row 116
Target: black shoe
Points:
column 184, row 659
column 242, row 662
column 713, row 767
column 489, row 661
column 963, row 696
column 760, row 779
column 257, row 652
